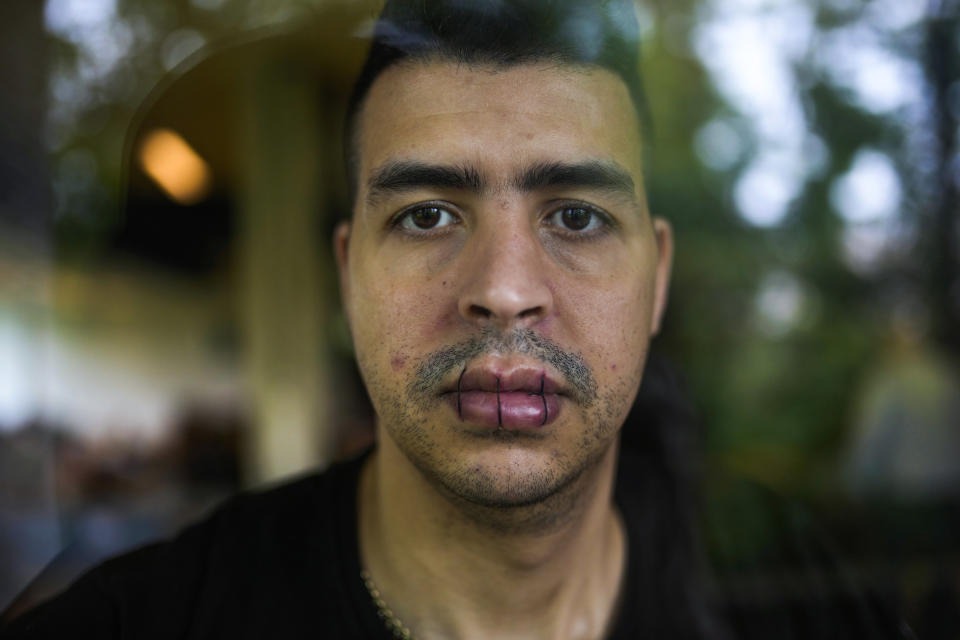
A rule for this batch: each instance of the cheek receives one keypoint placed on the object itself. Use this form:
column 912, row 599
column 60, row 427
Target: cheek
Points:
column 398, row 361
column 610, row 323
column 396, row 321
column 409, row 295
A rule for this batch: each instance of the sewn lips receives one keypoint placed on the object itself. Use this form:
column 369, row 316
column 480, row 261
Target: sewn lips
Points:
column 516, row 399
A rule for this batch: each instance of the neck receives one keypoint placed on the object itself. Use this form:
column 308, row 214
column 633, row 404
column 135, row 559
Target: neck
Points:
column 453, row 569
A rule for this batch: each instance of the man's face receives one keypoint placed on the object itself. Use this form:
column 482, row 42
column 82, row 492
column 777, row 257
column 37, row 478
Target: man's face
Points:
column 501, row 274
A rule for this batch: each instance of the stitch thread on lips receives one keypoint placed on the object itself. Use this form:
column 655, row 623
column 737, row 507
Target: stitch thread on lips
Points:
column 544, row 398
column 459, row 384
column 499, row 411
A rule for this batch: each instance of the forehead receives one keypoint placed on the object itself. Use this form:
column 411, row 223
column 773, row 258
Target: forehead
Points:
column 497, row 118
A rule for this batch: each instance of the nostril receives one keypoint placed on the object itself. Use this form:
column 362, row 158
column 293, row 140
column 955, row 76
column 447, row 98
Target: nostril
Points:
column 531, row 312
column 480, row 312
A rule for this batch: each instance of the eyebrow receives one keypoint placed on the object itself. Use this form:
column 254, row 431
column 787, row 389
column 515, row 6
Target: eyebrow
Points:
column 591, row 174
column 405, row 175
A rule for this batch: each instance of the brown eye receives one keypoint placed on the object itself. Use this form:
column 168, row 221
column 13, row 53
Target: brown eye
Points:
column 576, row 218
column 426, row 218
column 582, row 220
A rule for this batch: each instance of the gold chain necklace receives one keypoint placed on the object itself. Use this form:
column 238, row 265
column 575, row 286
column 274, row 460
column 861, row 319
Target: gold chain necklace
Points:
column 390, row 619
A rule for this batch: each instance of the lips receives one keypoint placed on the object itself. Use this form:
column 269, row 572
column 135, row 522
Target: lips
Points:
column 519, row 398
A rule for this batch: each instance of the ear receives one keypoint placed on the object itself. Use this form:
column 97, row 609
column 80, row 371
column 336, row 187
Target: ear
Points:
column 663, row 234
column 341, row 245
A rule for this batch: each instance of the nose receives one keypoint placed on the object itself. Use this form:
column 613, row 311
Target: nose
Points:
column 506, row 278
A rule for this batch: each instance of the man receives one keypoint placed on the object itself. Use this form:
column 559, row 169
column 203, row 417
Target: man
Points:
column 503, row 278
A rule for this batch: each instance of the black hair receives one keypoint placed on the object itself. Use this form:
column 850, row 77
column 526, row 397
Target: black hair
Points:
column 501, row 33
column 660, row 475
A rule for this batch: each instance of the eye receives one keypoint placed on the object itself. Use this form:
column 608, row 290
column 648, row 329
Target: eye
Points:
column 578, row 218
column 425, row 218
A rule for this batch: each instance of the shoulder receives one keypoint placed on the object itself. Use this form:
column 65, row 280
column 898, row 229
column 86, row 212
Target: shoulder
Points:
column 251, row 557
column 280, row 514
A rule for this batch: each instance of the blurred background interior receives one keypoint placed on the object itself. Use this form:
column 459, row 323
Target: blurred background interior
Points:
column 169, row 324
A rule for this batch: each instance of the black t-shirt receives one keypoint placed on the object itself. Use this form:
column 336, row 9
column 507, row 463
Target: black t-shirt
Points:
column 284, row 563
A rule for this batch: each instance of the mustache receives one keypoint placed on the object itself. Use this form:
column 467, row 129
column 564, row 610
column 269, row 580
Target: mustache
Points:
column 438, row 365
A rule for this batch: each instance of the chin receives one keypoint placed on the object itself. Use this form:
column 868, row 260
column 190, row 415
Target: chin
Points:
column 499, row 472
column 508, row 474
column 506, row 484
